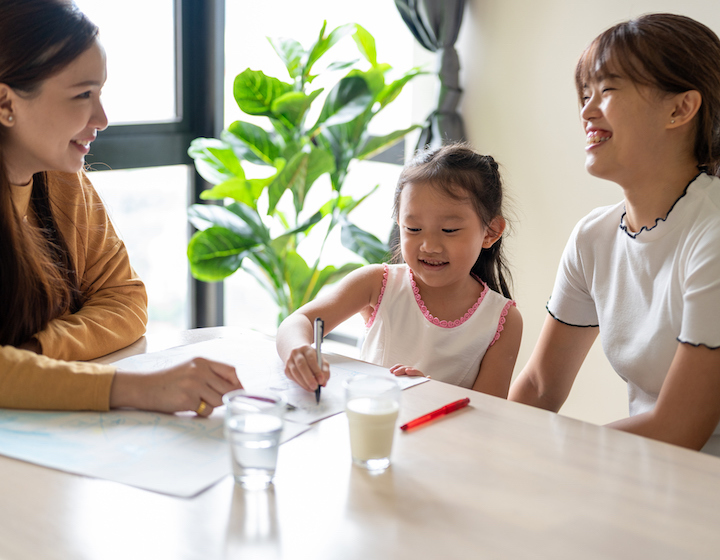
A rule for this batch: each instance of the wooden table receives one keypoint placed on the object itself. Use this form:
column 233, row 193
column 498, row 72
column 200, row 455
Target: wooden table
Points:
column 494, row 480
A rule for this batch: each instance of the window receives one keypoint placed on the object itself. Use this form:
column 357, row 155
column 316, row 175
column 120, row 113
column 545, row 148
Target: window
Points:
column 162, row 91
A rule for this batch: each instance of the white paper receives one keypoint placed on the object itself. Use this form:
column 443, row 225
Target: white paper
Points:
column 259, row 367
column 178, row 454
column 173, row 454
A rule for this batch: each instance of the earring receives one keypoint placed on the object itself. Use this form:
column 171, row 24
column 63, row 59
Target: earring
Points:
column 672, row 121
column 10, row 118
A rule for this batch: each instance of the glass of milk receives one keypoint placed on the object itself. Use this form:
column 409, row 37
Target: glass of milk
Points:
column 253, row 425
column 372, row 404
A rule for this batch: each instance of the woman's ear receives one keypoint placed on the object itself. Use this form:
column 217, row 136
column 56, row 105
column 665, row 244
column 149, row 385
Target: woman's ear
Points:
column 685, row 107
column 7, row 105
column 494, row 231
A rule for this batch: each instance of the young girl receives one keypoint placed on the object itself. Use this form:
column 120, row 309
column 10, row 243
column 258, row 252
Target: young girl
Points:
column 441, row 314
column 646, row 271
column 67, row 290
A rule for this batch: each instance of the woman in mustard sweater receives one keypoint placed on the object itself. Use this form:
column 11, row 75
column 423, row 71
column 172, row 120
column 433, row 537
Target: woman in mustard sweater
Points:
column 67, row 290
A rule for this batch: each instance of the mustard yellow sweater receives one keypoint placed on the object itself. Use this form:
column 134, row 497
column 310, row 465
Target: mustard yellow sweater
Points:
column 114, row 313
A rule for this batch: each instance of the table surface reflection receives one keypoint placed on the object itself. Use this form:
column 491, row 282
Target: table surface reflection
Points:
column 493, row 480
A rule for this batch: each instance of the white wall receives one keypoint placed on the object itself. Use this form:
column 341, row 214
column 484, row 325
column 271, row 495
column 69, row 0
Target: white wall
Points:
column 520, row 105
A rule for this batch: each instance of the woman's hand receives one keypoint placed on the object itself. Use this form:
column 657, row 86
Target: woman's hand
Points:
column 399, row 369
column 302, row 367
column 175, row 389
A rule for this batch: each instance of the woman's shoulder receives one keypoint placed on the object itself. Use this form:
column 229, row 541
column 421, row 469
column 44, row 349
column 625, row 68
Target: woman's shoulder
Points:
column 72, row 188
column 600, row 221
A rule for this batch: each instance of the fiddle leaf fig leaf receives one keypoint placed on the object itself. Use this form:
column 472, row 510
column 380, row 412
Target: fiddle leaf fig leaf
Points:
column 291, row 107
column 255, row 92
column 292, row 177
column 215, row 160
column 366, row 44
column 348, row 99
column 254, row 142
column 377, row 144
column 290, row 52
column 364, row 243
column 216, row 253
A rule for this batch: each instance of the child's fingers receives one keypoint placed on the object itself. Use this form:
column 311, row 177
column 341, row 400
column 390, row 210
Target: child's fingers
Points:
column 302, row 367
column 398, row 370
column 324, row 375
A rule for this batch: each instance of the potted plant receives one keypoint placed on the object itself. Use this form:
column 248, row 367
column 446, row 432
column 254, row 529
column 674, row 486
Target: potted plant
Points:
column 259, row 230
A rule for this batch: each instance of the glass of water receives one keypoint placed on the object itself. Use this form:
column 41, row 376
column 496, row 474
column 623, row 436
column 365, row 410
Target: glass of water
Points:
column 253, row 424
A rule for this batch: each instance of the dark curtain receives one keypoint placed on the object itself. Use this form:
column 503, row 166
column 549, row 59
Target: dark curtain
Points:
column 435, row 24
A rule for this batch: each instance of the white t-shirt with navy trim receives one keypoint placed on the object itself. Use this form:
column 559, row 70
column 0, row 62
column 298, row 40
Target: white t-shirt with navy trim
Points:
column 647, row 290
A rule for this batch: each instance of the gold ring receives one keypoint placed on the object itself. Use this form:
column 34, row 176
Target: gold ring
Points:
column 200, row 409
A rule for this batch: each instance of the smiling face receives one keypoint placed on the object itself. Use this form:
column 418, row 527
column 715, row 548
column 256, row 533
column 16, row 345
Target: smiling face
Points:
column 625, row 126
column 51, row 129
column 440, row 237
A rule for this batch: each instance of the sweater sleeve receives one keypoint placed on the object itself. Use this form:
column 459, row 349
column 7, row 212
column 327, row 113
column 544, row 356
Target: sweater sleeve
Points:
column 32, row 381
column 114, row 310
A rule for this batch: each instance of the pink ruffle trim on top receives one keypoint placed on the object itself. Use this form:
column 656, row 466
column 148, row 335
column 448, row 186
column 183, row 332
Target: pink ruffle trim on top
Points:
column 501, row 322
column 435, row 320
column 371, row 320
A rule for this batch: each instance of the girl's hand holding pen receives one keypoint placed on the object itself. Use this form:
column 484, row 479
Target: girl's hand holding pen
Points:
column 399, row 369
column 302, row 367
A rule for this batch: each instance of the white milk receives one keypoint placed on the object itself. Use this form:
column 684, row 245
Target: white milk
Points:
column 372, row 426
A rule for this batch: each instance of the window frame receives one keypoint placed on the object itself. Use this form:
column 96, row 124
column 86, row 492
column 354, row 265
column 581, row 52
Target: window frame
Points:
column 199, row 60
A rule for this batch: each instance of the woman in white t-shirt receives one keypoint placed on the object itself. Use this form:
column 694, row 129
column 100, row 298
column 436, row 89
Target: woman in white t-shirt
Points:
column 645, row 272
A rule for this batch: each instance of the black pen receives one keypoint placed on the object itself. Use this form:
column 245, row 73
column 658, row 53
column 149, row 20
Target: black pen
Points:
column 319, row 327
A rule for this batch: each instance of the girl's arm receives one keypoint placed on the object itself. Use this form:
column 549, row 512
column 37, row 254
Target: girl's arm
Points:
column 497, row 365
column 688, row 407
column 547, row 378
column 358, row 291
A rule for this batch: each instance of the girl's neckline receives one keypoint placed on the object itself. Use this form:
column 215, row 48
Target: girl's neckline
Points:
column 443, row 323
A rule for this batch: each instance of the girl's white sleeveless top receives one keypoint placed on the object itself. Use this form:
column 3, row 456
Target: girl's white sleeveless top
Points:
column 402, row 331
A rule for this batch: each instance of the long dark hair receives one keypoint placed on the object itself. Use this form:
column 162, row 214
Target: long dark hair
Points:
column 672, row 53
column 37, row 275
column 460, row 172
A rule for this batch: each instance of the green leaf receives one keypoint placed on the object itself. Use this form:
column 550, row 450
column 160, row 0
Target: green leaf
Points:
column 254, row 142
column 204, row 216
column 323, row 44
column 291, row 107
column 374, row 77
column 393, row 89
column 216, row 253
column 320, row 162
column 340, row 203
column 333, row 66
column 297, row 276
column 363, row 243
column 215, row 160
column 239, row 190
column 377, row 144
column 365, row 43
column 349, row 203
column 255, row 92
column 328, row 275
column 291, row 177
column 348, row 99
column 290, row 52
column 252, row 219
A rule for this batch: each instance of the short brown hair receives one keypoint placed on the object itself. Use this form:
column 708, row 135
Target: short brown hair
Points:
column 672, row 53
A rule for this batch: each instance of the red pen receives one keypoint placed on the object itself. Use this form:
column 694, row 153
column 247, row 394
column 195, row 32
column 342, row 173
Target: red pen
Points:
column 447, row 409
